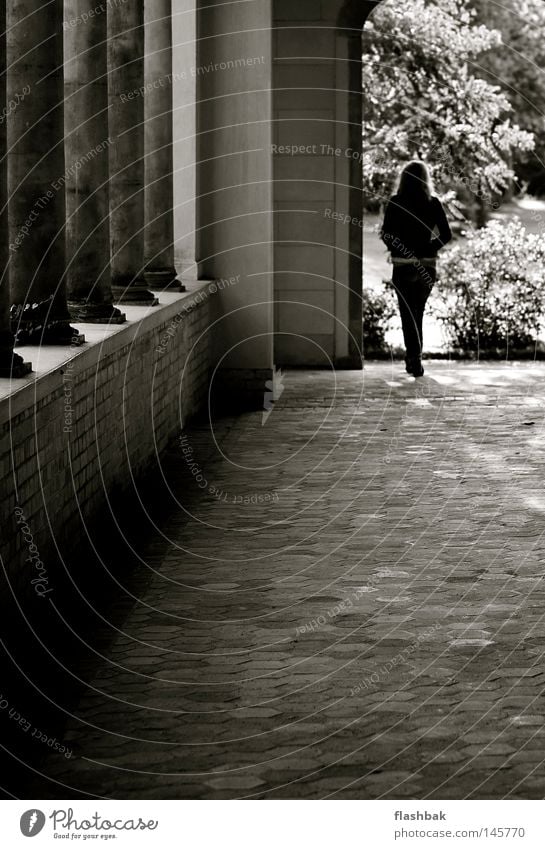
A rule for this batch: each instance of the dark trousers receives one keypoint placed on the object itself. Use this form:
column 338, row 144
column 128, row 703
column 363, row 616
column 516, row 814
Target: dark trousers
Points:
column 413, row 284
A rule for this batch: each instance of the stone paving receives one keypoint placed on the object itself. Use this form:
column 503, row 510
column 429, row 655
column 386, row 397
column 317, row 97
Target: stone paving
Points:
column 347, row 603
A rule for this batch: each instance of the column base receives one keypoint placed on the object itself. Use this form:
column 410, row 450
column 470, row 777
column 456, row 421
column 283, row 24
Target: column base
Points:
column 136, row 296
column 56, row 333
column 95, row 313
column 164, row 279
column 12, row 365
column 43, row 323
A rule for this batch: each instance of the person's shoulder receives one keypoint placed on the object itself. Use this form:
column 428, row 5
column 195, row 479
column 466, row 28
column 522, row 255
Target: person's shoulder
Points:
column 436, row 201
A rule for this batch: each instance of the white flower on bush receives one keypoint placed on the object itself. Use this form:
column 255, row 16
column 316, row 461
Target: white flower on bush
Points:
column 490, row 289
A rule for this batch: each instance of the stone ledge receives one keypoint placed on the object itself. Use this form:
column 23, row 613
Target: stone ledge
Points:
column 49, row 362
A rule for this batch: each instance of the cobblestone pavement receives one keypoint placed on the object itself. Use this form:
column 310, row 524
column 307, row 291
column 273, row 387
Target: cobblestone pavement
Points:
column 357, row 610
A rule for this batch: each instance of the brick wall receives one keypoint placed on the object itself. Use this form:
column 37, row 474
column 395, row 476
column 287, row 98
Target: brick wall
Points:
column 78, row 437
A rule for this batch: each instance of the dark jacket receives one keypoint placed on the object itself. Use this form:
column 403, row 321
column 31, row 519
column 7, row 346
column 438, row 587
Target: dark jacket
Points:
column 419, row 232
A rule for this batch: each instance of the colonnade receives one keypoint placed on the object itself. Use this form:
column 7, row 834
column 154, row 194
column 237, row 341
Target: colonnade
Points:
column 86, row 198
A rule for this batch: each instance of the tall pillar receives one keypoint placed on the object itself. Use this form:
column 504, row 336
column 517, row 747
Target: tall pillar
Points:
column 158, row 135
column 126, row 124
column 235, row 209
column 87, row 170
column 11, row 365
column 36, row 172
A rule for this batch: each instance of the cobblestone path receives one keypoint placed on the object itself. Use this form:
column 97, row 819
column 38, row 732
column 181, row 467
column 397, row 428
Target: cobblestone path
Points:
column 347, row 603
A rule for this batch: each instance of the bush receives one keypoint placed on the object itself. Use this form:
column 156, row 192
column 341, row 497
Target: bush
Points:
column 490, row 290
column 378, row 311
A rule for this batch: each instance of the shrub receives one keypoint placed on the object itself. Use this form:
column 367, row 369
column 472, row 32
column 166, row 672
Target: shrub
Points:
column 490, row 290
column 378, row 311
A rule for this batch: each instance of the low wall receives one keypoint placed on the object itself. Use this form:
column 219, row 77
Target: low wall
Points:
column 90, row 424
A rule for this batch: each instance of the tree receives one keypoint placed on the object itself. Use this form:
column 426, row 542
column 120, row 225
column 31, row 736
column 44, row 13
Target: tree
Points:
column 421, row 98
column 517, row 67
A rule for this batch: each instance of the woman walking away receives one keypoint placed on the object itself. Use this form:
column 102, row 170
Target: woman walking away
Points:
column 415, row 229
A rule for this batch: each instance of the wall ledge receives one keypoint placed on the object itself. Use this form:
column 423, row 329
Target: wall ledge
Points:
column 50, row 362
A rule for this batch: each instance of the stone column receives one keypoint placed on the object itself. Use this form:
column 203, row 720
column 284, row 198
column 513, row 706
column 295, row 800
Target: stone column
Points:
column 126, row 123
column 36, row 172
column 235, row 183
column 87, row 170
column 11, row 365
column 158, row 135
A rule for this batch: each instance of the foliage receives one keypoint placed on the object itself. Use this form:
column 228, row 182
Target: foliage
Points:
column 490, row 290
column 378, row 311
column 421, row 98
column 517, row 67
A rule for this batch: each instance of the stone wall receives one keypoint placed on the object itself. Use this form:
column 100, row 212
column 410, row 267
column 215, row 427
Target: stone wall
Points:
column 78, row 436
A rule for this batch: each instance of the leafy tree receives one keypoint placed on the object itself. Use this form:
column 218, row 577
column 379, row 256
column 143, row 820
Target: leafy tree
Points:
column 422, row 98
column 517, row 67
